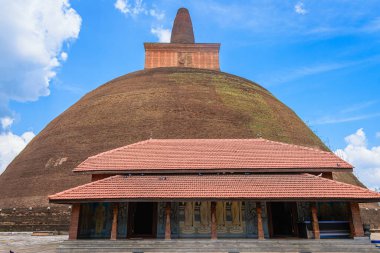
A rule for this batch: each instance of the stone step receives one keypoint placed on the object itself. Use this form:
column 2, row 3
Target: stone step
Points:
column 205, row 241
column 225, row 246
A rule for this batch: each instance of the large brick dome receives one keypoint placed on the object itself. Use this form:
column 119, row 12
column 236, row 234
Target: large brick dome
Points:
column 157, row 103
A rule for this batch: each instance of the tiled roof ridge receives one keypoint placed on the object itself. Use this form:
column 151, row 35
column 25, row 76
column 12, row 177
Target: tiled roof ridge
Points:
column 84, row 185
column 307, row 148
column 115, row 149
column 262, row 139
column 297, row 146
column 214, row 139
column 122, row 147
column 236, row 140
column 342, row 183
column 240, row 139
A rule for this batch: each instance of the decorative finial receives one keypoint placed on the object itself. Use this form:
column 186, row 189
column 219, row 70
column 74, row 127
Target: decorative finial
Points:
column 182, row 31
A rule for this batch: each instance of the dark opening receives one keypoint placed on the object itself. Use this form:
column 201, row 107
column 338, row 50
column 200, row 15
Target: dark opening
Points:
column 283, row 217
column 142, row 219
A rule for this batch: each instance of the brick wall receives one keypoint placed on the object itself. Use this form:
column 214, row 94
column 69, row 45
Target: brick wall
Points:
column 35, row 219
column 205, row 56
column 371, row 216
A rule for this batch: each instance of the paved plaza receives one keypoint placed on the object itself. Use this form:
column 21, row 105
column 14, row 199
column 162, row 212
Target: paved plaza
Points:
column 26, row 243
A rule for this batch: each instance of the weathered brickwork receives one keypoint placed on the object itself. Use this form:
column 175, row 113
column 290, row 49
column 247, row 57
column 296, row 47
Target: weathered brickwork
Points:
column 74, row 222
column 35, row 219
column 203, row 56
column 371, row 217
column 356, row 221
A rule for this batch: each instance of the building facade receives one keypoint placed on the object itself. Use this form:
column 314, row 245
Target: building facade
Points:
column 214, row 188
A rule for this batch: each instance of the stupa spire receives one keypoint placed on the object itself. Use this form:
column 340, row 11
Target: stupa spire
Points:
column 182, row 51
column 182, row 31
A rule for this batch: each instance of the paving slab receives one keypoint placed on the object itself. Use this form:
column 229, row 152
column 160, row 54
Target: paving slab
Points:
column 26, row 243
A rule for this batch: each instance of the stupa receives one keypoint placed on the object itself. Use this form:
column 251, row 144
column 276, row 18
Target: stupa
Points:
column 180, row 94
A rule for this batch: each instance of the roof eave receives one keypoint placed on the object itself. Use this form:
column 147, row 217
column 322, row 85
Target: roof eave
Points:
column 217, row 170
column 118, row 200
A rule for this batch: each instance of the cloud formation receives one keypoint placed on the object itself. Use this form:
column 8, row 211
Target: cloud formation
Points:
column 11, row 144
column 130, row 9
column 273, row 18
column 162, row 34
column 365, row 159
column 343, row 119
column 32, row 34
column 137, row 7
column 6, row 122
column 351, row 113
column 299, row 8
column 64, row 56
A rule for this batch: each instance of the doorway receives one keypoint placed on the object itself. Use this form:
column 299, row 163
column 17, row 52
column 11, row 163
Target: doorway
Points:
column 142, row 220
column 283, row 219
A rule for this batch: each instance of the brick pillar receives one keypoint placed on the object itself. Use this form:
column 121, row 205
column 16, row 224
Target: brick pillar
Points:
column 74, row 222
column 213, row 221
column 167, row 224
column 356, row 224
column 114, row 221
column 260, row 228
column 314, row 216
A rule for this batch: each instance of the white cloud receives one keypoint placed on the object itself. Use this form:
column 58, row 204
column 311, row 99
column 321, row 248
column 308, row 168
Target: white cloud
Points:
column 300, row 8
column 32, row 34
column 290, row 74
column 130, row 9
column 357, row 139
column 159, row 15
column 138, row 7
column 340, row 119
column 11, row 144
column 162, row 34
column 64, row 56
column 6, row 122
column 122, row 6
column 359, row 106
column 366, row 160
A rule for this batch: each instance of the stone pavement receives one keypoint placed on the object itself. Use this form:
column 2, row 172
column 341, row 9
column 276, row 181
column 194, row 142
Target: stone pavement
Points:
column 26, row 243
column 220, row 246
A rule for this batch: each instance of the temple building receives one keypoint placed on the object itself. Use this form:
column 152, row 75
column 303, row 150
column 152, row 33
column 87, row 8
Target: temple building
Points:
column 228, row 184
column 182, row 149
column 214, row 188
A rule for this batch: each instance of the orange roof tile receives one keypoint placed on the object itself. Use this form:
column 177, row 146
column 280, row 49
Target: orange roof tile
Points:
column 212, row 154
column 296, row 187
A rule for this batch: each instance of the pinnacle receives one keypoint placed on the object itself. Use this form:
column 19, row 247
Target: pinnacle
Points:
column 182, row 31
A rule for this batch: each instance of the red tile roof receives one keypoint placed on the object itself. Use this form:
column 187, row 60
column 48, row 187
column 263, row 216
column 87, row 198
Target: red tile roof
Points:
column 212, row 154
column 296, row 187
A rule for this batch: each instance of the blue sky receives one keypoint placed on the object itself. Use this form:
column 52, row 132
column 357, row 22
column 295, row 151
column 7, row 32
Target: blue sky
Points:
column 321, row 58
